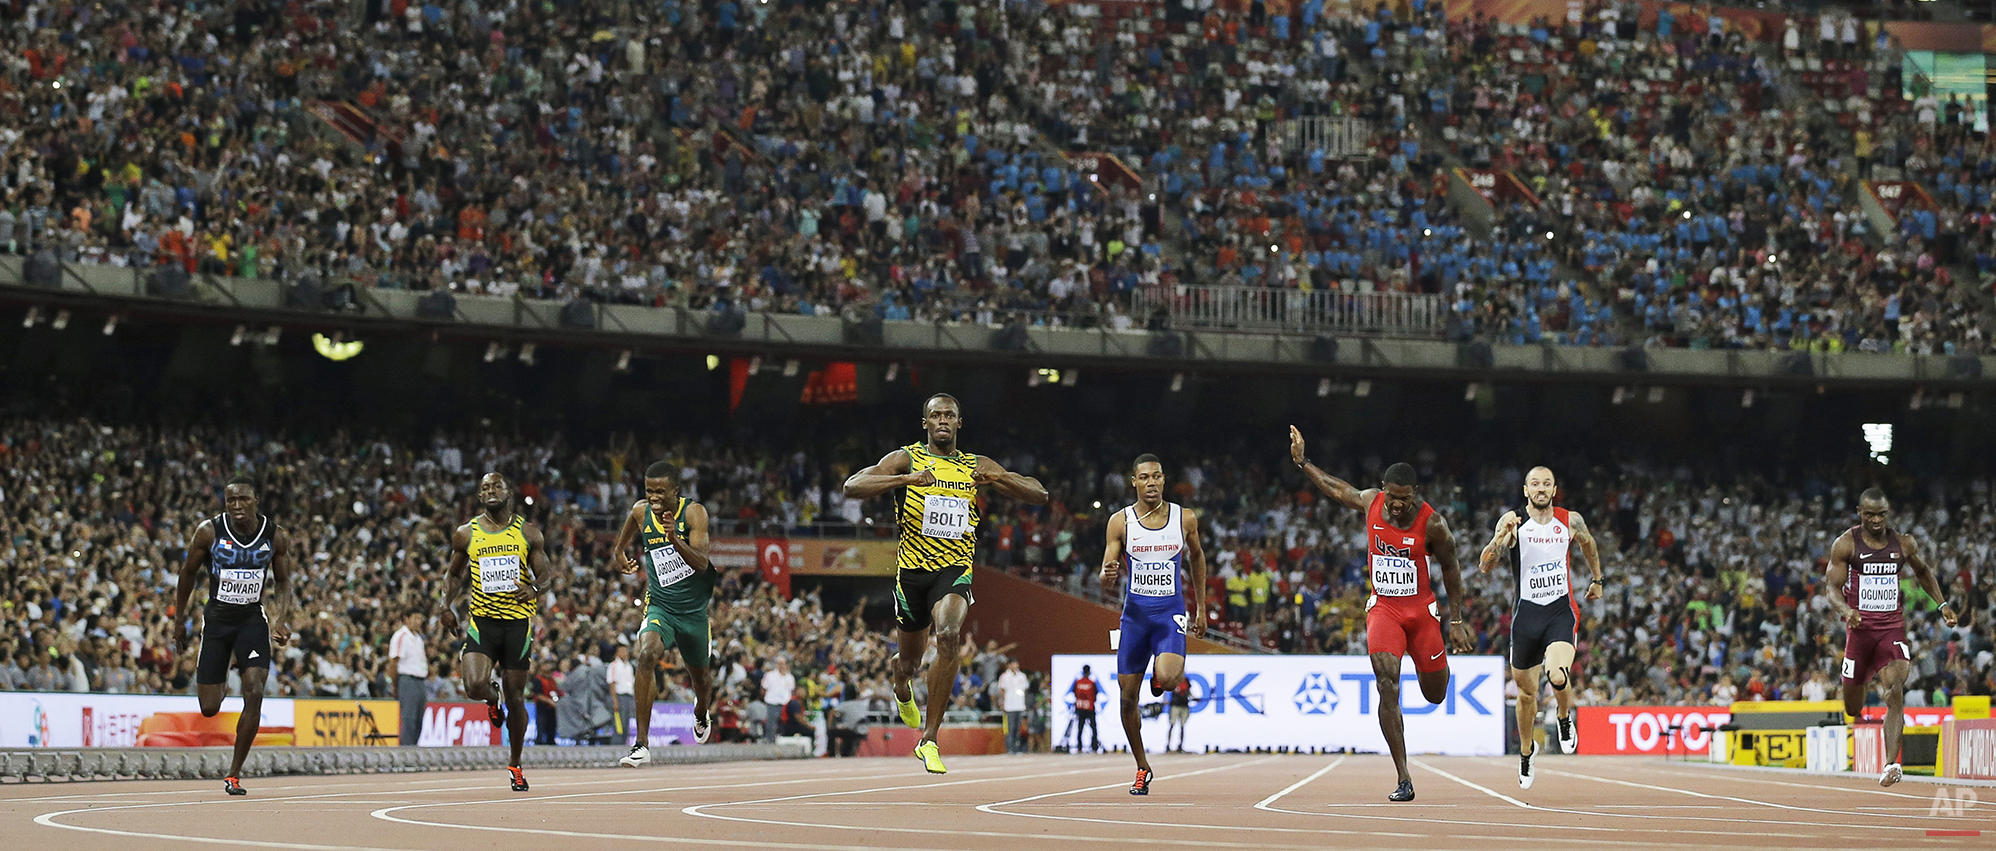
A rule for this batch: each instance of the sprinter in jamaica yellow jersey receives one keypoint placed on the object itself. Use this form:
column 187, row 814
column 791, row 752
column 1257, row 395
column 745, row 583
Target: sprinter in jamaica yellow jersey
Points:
column 503, row 559
column 937, row 514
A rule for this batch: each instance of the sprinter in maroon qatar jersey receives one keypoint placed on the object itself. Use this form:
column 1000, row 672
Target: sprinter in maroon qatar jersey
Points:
column 1864, row 568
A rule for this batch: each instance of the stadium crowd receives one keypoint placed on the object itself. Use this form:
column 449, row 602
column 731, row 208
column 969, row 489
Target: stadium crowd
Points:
column 1713, row 591
column 906, row 160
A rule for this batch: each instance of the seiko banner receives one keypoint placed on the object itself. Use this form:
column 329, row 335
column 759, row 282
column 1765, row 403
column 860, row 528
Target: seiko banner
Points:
column 1241, row 702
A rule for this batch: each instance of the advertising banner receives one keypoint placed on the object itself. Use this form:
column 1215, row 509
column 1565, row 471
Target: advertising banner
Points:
column 1968, row 749
column 841, row 557
column 1647, row 729
column 449, row 724
column 63, row 720
column 671, row 724
column 1302, row 702
column 348, row 723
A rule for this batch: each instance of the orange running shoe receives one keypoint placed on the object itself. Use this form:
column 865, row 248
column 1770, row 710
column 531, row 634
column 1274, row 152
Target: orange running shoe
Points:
column 1142, row 786
column 233, row 786
column 519, row 778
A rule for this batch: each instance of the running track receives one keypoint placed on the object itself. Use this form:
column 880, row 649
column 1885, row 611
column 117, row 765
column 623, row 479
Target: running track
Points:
column 1229, row 801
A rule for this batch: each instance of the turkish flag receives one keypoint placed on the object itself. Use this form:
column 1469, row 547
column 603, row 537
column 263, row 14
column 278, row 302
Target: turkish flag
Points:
column 773, row 557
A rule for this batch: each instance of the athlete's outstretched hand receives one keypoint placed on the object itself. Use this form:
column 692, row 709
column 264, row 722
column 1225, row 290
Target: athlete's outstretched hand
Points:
column 181, row 636
column 447, row 620
column 1295, row 446
column 629, row 566
column 1460, row 639
column 1594, row 590
column 1947, row 614
column 1507, row 529
column 1112, row 571
column 280, row 634
column 1852, row 618
column 919, row 478
column 1196, row 627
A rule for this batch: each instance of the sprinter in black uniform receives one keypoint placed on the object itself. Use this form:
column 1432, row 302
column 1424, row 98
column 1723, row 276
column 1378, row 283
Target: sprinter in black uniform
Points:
column 244, row 552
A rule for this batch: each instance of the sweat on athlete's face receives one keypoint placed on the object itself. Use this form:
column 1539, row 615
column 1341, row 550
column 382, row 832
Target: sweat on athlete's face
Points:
column 660, row 490
column 1400, row 499
column 240, row 500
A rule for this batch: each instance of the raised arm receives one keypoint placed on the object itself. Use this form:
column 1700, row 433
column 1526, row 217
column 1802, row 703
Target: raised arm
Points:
column 693, row 547
column 1112, row 550
column 1018, row 486
column 1441, row 547
column 278, row 603
column 456, row 575
column 890, row 473
column 1504, row 538
column 1584, row 538
column 626, row 535
column 190, row 572
column 1928, row 581
column 1335, row 488
column 1833, row 585
column 1195, row 562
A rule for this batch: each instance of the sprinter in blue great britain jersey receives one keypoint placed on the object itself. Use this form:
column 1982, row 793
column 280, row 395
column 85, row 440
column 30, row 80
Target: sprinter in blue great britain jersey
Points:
column 1155, row 544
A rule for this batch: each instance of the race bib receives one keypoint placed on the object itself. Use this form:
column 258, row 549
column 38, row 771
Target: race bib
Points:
column 1154, row 578
column 1545, row 583
column 668, row 567
column 499, row 574
column 946, row 517
column 1393, row 576
column 1878, row 592
column 239, row 586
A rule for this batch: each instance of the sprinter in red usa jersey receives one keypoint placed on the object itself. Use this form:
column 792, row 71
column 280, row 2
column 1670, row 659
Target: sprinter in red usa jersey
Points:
column 1402, row 616
column 1545, row 618
column 1864, row 571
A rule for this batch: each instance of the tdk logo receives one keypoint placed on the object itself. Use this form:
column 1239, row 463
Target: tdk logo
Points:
column 1316, row 696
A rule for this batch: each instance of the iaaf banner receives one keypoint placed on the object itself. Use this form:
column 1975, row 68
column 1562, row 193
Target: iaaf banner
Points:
column 1301, row 702
column 64, row 720
column 449, row 724
column 1646, row 729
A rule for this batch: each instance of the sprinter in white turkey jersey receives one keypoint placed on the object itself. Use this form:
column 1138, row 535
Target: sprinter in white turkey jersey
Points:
column 1546, row 617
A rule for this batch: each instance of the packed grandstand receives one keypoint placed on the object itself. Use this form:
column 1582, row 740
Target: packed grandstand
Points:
column 1680, row 182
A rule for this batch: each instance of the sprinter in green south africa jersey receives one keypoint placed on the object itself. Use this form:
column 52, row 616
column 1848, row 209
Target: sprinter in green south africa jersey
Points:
column 679, row 583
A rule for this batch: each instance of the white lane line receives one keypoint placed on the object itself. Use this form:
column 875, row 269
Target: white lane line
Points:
column 49, row 819
column 1481, row 788
column 1770, row 804
column 1758, row 780
column 1266, row 802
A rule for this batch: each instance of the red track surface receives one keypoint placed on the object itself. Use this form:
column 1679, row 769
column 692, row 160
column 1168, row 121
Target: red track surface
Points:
column 1017, row 802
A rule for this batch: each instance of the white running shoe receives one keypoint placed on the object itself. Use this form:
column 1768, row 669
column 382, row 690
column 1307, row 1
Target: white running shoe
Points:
column 639, row 755
column 703, row 727
column 1525, row 771
column 1569, row 734
column 1892, row 775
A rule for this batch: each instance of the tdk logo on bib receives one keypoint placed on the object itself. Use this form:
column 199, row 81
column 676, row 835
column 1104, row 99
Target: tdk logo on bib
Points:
column 1316, row 696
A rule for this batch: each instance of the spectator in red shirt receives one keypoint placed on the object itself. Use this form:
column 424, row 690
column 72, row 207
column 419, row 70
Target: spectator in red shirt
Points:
column 1085, row 690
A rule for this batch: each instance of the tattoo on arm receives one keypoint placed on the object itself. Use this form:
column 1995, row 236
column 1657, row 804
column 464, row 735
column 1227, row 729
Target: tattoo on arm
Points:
column 1588, row 550
column 1335, row 488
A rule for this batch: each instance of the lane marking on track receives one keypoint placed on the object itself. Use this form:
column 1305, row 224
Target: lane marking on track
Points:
column 1757, row 780
column 1790, row 807
column 1480, row 788
column 49, row 819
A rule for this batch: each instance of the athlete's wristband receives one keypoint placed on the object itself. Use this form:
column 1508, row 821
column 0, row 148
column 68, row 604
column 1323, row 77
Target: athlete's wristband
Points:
column 1598, row 582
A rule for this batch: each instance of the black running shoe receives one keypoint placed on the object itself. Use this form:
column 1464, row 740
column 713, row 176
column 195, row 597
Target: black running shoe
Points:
column 1142, row 786
column 519, row 779
column 1403, row 794
column 1156, row 686
column 233, row 786
column 496, row 713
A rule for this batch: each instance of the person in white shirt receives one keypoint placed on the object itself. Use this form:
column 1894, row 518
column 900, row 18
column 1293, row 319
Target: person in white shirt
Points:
column 1012, row 685
column 624, row 683
column 412, row 669
column 777, row 684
